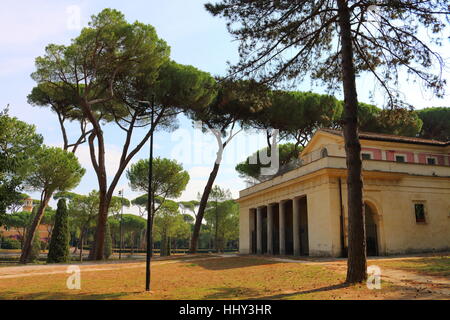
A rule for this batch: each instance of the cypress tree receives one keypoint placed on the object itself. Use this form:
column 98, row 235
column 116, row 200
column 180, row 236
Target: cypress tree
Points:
column 59, row 243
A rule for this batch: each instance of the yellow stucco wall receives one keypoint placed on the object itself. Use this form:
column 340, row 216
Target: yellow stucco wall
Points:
column 389, row 188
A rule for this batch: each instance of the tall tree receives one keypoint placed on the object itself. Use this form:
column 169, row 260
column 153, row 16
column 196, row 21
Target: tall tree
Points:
column 18, row 144
column 133, row 227
column 53, row 169
column 223, row 218
column 169, row 180
column 83, row 211
column 102, row 58
column 168, row 222
column 215, row 214
column 168, row 177
column 59, row 241
column 332, row 42
column 109, row 68
column 236, row 102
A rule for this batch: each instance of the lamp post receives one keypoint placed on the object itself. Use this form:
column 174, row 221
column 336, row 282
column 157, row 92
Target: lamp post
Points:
column 121, row 220
column 149, row 199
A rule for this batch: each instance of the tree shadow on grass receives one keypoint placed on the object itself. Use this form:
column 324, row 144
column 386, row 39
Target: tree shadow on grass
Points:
column 232, row 263
column 305, row 292
column 231, row 293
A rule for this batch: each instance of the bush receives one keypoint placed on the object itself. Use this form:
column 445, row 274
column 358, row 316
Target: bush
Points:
column 8, row 243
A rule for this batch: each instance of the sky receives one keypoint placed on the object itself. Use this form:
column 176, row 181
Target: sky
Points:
column 195, row 37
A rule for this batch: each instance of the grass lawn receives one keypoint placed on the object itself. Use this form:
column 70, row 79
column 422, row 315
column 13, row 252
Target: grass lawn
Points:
column 197, row 278
column 433, row 266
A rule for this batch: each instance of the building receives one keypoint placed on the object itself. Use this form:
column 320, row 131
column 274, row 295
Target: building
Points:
column 304, row 211
column 28, row 205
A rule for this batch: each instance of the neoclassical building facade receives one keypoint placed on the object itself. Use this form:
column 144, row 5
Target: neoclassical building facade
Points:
column 304, row 211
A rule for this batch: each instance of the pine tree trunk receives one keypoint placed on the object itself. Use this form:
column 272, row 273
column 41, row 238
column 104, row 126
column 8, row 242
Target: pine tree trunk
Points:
column 216, row 232
column 169, row 246
column 81, row 245
column 100, row 230
column 163, row 250
column 356, row 264
column 27, row 246
column 202, row 207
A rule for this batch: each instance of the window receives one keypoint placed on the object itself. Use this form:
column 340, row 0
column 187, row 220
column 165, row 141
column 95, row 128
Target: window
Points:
column 400, row 158
column 419, row 210
column 366, row 156
column 431, row 160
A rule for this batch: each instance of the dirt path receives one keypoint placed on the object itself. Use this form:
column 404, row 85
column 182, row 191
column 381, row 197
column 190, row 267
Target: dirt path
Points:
column 39, row 270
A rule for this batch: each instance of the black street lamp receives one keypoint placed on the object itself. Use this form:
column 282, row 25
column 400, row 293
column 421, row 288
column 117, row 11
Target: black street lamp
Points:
column 149, row 199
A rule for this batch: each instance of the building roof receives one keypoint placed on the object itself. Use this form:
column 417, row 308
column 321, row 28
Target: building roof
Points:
column 391, row 138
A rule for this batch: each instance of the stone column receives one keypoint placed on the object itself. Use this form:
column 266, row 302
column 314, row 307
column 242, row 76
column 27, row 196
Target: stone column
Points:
column 296, row 225
column 282, row 227
column 270, row 229
column 259, row 230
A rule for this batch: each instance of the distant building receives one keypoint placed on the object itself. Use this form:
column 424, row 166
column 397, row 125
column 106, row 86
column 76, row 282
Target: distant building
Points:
column 28, row 205
column 17, row 233
column 304, row 211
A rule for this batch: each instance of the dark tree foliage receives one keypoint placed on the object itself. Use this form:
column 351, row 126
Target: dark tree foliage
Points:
column 288, row 153
column 332, row 42
column 297, row 115
column 59, row 242
column 398, row 121
column 18, row 143
column 64, row 104
column 436, row 123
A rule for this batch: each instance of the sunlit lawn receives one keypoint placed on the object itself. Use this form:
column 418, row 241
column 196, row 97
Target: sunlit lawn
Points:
column 433, row 266
column 207, row 278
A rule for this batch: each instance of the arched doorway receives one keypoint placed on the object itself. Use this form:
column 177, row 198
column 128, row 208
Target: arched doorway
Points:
column 371, row 230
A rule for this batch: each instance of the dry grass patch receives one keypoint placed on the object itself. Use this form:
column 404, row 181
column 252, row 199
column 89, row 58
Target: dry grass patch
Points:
column 430, row 266
column 198, row 278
